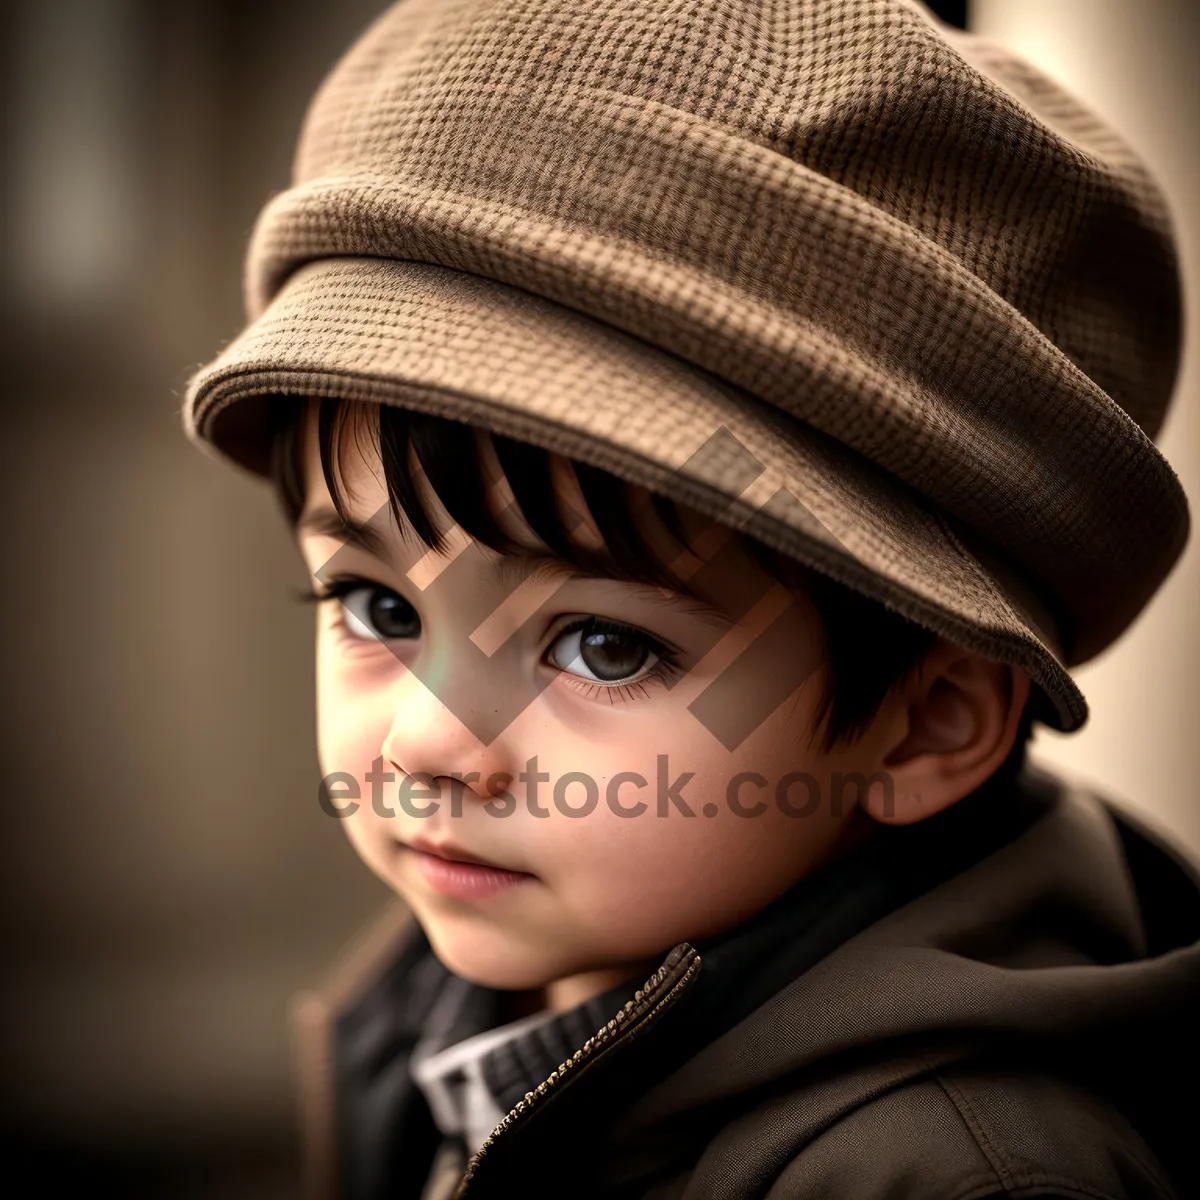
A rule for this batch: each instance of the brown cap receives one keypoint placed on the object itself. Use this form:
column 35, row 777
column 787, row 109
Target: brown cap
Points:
column 869, row 288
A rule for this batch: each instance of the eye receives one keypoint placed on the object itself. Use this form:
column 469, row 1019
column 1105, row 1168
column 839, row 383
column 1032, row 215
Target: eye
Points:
column 377, row 613
column 604, row 651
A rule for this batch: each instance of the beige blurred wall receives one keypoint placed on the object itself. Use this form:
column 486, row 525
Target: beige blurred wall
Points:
column 1135, row 64
column 169, row 881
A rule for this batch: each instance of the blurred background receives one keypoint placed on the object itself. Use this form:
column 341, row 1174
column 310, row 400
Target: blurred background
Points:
column 169, row 881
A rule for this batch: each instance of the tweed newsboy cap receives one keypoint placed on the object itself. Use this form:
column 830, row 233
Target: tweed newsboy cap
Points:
column 867, row 287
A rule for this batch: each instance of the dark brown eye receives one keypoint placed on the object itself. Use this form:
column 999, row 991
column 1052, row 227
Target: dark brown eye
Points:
column 604, row 651
column 380, row 613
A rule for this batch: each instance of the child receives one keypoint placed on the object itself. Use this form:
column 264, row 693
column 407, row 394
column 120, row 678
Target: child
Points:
column 712, row 430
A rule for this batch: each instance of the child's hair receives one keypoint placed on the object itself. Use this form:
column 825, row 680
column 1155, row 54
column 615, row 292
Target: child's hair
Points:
column 867, row 648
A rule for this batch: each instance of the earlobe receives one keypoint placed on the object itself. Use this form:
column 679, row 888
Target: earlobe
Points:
column 962, row 718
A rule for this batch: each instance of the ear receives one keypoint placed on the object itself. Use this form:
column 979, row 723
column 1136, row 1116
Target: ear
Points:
column 955, row 723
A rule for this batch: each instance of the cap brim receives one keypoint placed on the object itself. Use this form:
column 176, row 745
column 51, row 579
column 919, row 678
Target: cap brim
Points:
column 458, row 345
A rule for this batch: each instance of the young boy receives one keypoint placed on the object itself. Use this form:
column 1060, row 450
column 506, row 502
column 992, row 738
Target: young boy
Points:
column 712, row 430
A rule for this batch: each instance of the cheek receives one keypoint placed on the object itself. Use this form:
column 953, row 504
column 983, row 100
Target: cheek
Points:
column 659, row 876
column 355, row 709
column 354, row 712
column 629, row 888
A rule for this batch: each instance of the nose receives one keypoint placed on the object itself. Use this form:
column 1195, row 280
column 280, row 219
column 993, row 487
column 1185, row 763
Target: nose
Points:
column 428, row 737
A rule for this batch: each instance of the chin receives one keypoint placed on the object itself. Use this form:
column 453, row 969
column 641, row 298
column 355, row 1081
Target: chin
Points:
column 487, row 961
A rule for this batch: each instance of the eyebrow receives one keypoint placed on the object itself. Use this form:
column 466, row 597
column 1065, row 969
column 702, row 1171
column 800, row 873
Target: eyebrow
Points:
column 324, row 522
column 512, row 570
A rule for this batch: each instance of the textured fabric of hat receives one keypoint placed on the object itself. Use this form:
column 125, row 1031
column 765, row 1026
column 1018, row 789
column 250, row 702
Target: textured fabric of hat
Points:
column 867, row 287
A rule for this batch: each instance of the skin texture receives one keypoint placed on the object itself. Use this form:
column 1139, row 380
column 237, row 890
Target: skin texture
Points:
column 608, row 894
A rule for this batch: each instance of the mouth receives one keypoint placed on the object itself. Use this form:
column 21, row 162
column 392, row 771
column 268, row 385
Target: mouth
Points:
column 451, row 853
column 453, row 871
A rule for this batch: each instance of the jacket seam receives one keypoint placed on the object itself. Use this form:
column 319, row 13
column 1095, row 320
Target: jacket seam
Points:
column 312, row 1057
column 974, row 1126
column 1011, row 1180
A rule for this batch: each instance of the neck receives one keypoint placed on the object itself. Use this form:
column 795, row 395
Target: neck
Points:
column 564, row 994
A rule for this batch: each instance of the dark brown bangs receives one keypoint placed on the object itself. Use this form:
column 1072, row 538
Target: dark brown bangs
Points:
column 460, row 475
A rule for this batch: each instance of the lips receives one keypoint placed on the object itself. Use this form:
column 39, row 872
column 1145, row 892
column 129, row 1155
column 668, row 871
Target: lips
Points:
column 452, row 853
column 454, row 872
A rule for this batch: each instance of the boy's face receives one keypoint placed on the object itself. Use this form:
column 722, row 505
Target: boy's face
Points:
column 440, row 666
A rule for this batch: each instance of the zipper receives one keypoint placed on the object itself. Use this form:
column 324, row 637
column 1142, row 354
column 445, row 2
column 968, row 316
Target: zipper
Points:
column 649, row 1002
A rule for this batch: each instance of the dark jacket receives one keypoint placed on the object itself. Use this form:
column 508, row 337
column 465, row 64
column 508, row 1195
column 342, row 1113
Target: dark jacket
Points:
column 1000, row 1001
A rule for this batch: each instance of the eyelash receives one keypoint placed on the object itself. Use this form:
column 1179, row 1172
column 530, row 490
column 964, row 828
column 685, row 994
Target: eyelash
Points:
column 336, row 589
column 339, row 589
column 666, row 663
